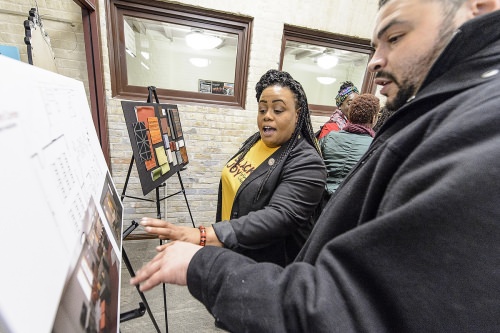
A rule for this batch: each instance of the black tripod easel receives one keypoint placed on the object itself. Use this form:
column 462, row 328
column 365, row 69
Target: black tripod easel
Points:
column 143, row 306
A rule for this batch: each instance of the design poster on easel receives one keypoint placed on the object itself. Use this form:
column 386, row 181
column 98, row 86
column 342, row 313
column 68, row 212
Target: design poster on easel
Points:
column 157, row 141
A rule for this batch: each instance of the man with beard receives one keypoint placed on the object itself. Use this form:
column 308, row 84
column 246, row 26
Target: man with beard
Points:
column 409, row 241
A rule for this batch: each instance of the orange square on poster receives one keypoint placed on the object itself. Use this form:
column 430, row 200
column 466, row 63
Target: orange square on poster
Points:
column 144, row 112
column 154, row 129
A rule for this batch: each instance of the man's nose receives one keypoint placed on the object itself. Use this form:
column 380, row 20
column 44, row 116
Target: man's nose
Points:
column 377, row 62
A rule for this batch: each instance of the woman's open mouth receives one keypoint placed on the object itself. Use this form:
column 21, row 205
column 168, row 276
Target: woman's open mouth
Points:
column 268, row 130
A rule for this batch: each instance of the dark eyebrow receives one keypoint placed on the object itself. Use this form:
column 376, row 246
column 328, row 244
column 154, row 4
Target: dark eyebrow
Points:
column 387, row 26
column 273, row 101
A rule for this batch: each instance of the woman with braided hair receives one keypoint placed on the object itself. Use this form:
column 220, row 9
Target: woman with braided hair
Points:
column 347, row 92
column 271, row 187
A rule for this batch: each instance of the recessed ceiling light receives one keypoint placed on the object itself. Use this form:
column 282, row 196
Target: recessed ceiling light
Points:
column 201, row 41
column 199, row 62
column 327, row 61
column 326, row 79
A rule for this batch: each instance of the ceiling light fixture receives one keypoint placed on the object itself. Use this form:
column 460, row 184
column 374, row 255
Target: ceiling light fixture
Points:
column 201, row 41
column 327, row 61
column 326, row 79
column 199, row 62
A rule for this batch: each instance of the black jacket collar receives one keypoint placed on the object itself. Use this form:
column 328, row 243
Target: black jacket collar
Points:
column 469, row 39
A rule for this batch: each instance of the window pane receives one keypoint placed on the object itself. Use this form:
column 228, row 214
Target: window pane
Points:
column 157, row 52
column 148, row 47
column 321, row 70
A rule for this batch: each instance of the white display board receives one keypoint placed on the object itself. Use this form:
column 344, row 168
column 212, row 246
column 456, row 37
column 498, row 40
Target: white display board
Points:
column 61, row 218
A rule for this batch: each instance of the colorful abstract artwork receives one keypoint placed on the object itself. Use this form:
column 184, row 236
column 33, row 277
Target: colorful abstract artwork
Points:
column 157, row 141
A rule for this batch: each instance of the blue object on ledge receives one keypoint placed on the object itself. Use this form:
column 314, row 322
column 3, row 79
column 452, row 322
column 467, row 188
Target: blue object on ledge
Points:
column 10, row 51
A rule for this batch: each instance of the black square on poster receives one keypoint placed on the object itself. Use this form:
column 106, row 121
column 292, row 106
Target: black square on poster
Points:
column 146, row 168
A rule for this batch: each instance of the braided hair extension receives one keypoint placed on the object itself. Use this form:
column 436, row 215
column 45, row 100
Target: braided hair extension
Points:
column 283, row 79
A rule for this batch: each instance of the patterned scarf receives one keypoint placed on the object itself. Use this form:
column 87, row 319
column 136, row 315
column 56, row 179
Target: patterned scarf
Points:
column 339, row 118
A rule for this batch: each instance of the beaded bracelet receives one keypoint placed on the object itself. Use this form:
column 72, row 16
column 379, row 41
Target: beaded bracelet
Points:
column 203, row 235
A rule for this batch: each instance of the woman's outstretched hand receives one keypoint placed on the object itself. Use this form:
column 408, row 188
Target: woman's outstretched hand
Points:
column 166, row 230
column 170, row 265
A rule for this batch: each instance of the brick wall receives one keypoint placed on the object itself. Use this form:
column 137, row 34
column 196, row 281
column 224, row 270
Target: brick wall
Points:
column 212, row 134
column 62, row 22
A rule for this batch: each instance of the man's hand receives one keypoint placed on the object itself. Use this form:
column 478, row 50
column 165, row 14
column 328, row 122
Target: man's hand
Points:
column 168, row 266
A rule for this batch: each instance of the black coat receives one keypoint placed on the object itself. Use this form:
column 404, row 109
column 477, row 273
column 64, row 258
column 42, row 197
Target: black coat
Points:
column 410, row 242
column 274, row 227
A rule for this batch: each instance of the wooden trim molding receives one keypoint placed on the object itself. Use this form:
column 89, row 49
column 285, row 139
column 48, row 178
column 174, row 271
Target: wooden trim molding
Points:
column 90, row 22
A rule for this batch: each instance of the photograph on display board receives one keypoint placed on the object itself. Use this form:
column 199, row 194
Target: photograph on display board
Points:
column 157, row 141
column 228, row 89
column 87, row 302
column 216, row 87
column 112, row 209
column 205, row 86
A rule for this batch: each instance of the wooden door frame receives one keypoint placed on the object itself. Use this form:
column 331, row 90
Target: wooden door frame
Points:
column 90, row 21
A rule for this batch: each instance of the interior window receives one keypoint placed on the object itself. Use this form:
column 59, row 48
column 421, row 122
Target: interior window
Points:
column 321, row 61
column 188, row 54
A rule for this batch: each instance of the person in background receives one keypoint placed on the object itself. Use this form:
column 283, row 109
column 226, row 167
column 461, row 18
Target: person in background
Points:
column 409, row 242
column 270, row 188
column 347, row 92
column 342, row 150
column 383, row 115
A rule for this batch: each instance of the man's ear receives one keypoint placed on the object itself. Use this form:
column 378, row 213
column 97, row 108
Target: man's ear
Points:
column 480, row 7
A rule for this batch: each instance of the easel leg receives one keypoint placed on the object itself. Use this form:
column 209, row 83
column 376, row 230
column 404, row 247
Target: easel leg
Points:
column 128, row 176
column 185, row 198
column 143, row 298
column 158, row 216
